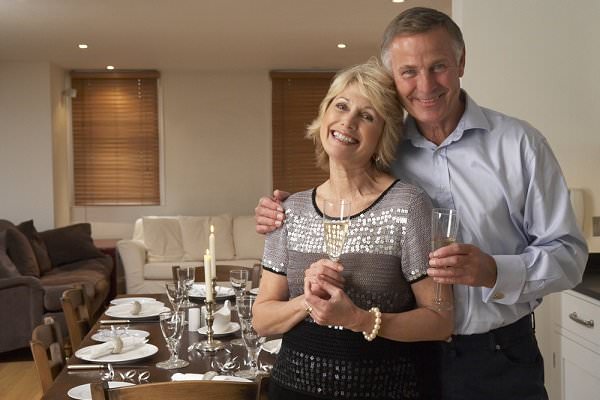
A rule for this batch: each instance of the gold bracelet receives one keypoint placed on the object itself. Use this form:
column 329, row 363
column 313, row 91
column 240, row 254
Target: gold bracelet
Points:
column 370, row 336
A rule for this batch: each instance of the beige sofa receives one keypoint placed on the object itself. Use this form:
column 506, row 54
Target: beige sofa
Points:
column 158, row 243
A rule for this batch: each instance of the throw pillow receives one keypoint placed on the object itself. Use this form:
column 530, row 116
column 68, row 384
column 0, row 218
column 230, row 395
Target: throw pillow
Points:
column 248, row 243
column 194, row 232
column 162, row 238
column 7, row 267
column 20, row 252
column 70, row 244
column 223, row 236
column 37, row 244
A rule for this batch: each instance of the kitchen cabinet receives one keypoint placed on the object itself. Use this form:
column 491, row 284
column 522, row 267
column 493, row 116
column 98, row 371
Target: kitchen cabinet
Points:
column 575, row 342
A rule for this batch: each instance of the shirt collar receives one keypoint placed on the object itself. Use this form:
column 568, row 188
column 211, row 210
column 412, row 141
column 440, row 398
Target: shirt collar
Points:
column 473, row 119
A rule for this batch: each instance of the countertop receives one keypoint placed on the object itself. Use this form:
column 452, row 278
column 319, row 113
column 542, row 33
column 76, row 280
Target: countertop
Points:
column 590, row 284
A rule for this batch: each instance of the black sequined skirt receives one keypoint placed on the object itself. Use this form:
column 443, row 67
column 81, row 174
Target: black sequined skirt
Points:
column 340, row 364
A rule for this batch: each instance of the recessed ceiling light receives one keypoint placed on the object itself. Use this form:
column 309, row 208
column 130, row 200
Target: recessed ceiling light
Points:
column 341, row 45
column 82, row 46
column 397, row 1
column 110, row 67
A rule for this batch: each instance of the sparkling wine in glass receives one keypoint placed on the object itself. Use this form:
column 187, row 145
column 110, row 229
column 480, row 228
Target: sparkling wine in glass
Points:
column 239, row 280
column 251, row 338
column 444, row 229
column 171, row 326
column 336, row 223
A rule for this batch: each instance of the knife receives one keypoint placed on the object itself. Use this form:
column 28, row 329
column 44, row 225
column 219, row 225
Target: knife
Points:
column 78, row 367
column 114, row 321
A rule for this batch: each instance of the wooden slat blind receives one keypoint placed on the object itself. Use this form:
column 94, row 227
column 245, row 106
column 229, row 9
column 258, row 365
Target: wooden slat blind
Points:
column 295, row 104
column 115, row 138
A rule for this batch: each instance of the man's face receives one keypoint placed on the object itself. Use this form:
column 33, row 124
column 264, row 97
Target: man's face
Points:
column 427, row 75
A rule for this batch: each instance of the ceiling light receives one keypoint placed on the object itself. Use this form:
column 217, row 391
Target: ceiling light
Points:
column 397, row 1
column 82, row 46
column 111, row 67
column 341, row 45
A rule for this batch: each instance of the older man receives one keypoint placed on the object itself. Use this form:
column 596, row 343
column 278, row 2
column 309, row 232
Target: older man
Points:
column 518, row 236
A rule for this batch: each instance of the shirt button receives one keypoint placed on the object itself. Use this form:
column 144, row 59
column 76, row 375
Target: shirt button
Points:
column 498, row 296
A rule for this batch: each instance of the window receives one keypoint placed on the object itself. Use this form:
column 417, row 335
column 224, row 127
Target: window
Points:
column 295, row 104
column 115, row 138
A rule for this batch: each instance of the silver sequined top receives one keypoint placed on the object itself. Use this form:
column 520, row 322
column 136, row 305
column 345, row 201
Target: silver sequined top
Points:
column 386, row 250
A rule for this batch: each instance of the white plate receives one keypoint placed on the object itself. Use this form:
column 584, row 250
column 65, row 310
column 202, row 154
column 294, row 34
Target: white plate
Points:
column 128, row 300
column 83, row 392
column 198, row 290
column 231, row 328
column 138, row 353
column 148, row 310
column 254, row 291
column 104, row 335
column 272, row 346
column 230, row 378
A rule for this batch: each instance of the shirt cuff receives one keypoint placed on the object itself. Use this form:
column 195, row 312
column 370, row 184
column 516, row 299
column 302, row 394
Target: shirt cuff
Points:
column 511, row 274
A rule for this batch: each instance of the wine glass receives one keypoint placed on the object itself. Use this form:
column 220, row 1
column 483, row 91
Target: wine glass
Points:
column 175, row 293
column 336, row 223
column 252, row 340
column 239, row 281
column 444, row 229
column 171, row 326
column 187, row 277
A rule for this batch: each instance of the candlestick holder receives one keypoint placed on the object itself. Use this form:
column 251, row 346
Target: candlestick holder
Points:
column 210, row 344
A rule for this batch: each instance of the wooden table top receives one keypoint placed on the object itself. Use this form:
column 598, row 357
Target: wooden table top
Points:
column 199, row 362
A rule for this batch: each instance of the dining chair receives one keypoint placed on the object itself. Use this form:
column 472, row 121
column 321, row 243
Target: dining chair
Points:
column 263, row 387
column 75, row 305
column 223, row 273
column 175, row 272
column 47, row 348
column 178, row 390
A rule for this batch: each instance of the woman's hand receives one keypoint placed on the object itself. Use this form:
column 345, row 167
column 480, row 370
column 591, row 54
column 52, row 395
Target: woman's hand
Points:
column 327, row 271
column 337, row 310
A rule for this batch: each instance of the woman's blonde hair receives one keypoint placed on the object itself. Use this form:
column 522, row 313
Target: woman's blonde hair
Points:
column 377, row 85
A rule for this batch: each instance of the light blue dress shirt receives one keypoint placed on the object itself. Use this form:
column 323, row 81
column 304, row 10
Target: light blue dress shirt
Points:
column 513, row 203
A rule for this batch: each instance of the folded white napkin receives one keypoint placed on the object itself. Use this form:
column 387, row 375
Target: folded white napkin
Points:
column 193, row 377
column 129, row 309
column 115, row 346
column 222, row 318
column 272, row 346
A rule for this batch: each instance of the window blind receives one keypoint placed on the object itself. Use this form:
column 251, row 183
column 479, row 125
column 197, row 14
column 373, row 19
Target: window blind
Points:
column 115, row 138
column 295, row 104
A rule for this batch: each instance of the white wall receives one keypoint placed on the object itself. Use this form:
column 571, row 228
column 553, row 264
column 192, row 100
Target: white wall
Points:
column 26, row 143
column 217, row 149
column 538, row 60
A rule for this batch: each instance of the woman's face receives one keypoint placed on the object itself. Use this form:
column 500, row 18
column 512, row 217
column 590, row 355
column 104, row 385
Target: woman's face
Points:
column 351, row 129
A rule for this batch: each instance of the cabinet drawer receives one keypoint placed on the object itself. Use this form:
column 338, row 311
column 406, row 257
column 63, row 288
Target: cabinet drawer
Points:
column 581, row 316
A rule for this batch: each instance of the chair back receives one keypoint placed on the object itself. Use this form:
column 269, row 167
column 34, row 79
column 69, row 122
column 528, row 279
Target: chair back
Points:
column 75, row 305
column 263, row 388
column 47, row 348
column 175, row 272
column 178, row 390
column 223, row 273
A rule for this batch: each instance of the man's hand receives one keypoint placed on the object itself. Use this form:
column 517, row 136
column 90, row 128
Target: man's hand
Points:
column 463, row 264
column 269, row 213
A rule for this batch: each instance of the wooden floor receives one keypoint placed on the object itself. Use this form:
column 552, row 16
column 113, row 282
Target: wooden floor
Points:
column 18, row 377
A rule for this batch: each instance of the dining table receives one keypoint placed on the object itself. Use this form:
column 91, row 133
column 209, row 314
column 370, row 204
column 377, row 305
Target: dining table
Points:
column 199, row 362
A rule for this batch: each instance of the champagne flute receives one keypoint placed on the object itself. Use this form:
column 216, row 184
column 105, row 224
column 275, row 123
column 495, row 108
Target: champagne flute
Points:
column 239, row 281
column 336, row 223
column 251, row 338
column 171, row 326
column 444, row 229
column 187, row 276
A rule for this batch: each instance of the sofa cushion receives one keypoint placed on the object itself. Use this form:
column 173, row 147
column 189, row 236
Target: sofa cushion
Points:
column 20, row 252
column 248, row 243
column 7, row 267
column 162, row 237
column 70, row 244
column 92, row 274
column 194, row 233
column 223, row 236
column 37, row 244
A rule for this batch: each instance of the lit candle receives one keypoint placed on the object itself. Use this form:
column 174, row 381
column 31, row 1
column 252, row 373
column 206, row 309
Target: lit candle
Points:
column 208, row 276
column 211, row 246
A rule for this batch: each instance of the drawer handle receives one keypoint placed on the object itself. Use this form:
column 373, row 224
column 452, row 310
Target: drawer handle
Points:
column 585, row 322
